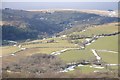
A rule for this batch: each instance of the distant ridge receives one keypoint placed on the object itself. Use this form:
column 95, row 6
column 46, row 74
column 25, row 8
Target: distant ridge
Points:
column 108, row 13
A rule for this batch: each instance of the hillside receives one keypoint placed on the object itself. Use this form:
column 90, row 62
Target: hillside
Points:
column 21, row 25
column 95, row 56
column 110, row 13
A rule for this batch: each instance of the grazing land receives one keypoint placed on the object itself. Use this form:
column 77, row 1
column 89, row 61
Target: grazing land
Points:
column 89, row 50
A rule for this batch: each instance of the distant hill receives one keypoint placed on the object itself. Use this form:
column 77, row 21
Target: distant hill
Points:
column 22, row 25
column 109, row 13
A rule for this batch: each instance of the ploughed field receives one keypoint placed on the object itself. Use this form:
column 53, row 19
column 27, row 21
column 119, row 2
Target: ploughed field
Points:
column 104, row 47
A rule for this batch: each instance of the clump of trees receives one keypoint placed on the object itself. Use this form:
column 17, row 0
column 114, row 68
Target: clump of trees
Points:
column 15, row 33
column 36, row 64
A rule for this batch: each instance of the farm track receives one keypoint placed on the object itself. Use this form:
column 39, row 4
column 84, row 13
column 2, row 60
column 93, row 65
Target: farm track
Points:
column 61, row 51
column 107, row 51
column 89, row 43
column 14, row 53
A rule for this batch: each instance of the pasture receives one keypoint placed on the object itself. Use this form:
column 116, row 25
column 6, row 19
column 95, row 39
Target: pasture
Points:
column 76, row 55
column 96, row 30
column 102, row 45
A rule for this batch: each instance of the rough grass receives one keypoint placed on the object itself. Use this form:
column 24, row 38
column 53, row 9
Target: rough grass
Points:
column 9, row 49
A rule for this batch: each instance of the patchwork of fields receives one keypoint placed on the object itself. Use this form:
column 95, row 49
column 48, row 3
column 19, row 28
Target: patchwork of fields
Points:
column 106, row 47
column 107, row 50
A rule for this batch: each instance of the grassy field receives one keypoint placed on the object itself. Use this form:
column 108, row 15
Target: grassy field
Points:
column 54, row 45
column 105, row 43
column 111, row 58
column 109, row 43
column 43, row 47
column 75, row 55
column 107, row 28
column 9, row 49
column 59, row 43
column 32, row 51
column 87, row 69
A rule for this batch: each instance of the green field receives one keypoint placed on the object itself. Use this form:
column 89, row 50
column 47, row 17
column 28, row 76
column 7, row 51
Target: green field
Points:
column 109, row 43
column 44, row 47
column 87, row 69
column 59, row 43
column 105, row 43
column 107, row 28
column 39, row 51
column 75, row 55
column 108, row 57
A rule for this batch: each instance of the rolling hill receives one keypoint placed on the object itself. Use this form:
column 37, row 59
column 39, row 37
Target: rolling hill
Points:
column 21, row 25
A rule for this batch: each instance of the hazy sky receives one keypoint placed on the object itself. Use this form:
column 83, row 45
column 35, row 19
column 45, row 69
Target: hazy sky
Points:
column 61, row 5
column 60, row 0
